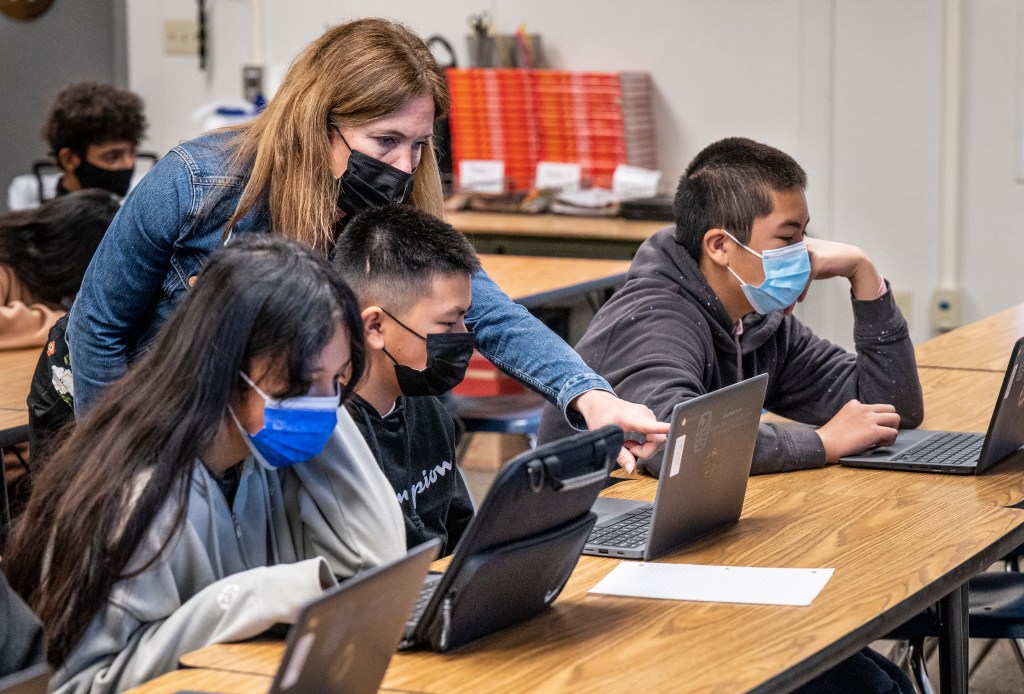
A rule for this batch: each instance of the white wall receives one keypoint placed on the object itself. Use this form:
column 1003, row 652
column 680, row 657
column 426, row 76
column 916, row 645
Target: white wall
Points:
column 992, row 247
column 851, row 88
column 173, row 87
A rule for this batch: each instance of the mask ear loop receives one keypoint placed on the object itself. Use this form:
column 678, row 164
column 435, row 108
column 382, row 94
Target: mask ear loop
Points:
column 338, row 130
column 384, row 349
column 746, row 248
column 742, row 245
column 231, row 410
column 266, row 398
column 729, row 267
column 237, row 423
column 388, row 314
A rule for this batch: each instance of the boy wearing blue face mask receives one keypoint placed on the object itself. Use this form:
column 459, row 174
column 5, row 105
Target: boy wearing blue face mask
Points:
column 411, row 273
column 708, row 303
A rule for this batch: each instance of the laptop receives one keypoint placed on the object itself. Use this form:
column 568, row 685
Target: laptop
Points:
column 344, row 640
column 959, row 453
column 703, row 477
column 33, row 680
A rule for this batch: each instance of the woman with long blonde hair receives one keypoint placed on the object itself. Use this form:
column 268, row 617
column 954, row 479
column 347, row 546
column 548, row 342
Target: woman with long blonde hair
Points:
column 350, row 128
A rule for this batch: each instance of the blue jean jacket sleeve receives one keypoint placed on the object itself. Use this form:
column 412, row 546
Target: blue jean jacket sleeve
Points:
column 124, row 277
column 523, row 347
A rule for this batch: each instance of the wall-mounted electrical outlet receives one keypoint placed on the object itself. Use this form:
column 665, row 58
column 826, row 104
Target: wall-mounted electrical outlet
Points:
column 181, row 37
column 252, row 82
column 947, row 309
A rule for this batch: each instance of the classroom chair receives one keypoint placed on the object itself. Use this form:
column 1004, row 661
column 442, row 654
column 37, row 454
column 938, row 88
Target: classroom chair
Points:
column 995, row 612
column 501, row 414
column 10, row 439
column 28, row 190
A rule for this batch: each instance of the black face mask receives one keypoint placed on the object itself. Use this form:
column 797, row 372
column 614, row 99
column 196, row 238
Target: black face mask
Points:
column 369, row 183
column 115, row 181
column 447, row 359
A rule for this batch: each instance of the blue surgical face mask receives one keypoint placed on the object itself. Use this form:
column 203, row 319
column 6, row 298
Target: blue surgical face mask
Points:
column 294, row 430
column 786, row 272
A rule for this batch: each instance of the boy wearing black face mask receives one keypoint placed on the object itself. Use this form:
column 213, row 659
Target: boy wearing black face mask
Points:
column 411, row 273
column 92, row 131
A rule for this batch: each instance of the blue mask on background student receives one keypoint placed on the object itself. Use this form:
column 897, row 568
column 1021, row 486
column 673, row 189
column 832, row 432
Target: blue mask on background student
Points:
column 786, row 272
column 294, row 430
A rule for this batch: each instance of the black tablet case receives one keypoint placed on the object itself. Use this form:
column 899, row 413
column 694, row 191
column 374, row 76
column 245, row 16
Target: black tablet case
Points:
column 523, row 543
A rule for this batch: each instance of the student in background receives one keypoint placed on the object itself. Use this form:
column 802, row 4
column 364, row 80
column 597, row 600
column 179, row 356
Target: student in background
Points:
column 349, row 129
column 709, row 303
column 92, row 131
column 43, row 256
column 217, row 487
column 411, row 273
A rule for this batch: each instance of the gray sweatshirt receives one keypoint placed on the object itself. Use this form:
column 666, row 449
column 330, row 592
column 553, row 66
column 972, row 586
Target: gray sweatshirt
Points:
column 232, row 572
column 665, row 338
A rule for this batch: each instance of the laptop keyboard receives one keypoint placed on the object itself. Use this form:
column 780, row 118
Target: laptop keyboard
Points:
column 949, row 448
column 630, row 532
column 430, row 584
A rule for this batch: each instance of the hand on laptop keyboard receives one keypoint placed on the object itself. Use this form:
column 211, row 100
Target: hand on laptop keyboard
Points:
column 857, row 427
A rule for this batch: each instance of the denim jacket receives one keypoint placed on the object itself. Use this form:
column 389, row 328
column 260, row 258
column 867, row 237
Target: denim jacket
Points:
column 175, row 218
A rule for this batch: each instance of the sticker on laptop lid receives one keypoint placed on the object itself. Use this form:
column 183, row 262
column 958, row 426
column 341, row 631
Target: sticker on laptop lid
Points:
column 677, row 456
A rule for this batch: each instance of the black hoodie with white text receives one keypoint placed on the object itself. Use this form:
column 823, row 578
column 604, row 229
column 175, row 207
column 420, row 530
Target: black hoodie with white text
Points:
column 414, row 445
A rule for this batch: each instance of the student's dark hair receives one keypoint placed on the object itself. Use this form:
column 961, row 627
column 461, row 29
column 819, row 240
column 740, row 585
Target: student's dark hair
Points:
column 390, row 254
column 95, row 499
column 93, row 113
column 729, row 184
column 48, row 248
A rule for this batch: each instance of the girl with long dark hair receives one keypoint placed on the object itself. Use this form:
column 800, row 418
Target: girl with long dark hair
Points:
column 215, row 488
column 43, row 256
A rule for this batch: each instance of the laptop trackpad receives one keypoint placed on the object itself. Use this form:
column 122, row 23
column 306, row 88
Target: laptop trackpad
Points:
column 907, row 439
column 607, row 509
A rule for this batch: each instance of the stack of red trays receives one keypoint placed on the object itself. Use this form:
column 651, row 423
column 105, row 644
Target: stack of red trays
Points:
column 596, row 119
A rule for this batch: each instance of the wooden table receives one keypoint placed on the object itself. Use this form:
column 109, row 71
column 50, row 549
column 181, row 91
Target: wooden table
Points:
column 890, row 564
column 554, row 234
column 898, row 541
column 224, row 681
column 16, row 369
column 534, row 281
column 983, row 345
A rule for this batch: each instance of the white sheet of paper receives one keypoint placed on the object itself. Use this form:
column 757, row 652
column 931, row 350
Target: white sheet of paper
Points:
column 742, row 584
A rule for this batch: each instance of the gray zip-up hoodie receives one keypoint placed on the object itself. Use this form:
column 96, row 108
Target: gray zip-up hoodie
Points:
column 234, row 571
column 665, row 338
